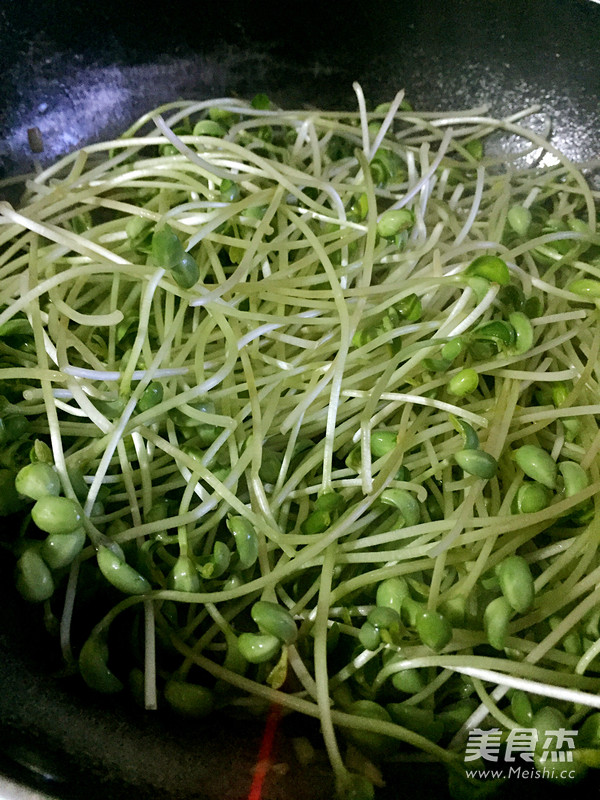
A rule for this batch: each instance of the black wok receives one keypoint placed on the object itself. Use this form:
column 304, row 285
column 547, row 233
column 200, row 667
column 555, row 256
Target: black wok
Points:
column 80, row 71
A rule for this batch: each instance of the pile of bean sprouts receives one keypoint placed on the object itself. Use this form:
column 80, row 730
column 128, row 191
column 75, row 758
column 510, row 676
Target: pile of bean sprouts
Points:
column 282, row 437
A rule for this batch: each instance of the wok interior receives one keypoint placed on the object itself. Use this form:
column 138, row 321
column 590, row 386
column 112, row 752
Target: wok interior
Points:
column 83, row 72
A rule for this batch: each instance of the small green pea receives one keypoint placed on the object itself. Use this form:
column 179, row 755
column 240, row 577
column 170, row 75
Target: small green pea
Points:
column 158, row 510
column 234, row 660
column 246, row 540
column 93, row 666
column 167, row 250
column 575, row 478
column 516, row 583
column 560, row 393
column 60, row 549
column 229, row 191
column 369, row 636
column 410, row 308
column 410, row 611
column 215, row 565
column 261, row 101
column 258, row 647
column 18, row 326
column 520, row 706
column 477, row 462
column 222, row 116
column 403, row 474
column 353, row 459
column 436, row 364
column 559, row 246
column 386, row 622
column 184, row 576
column 475, row 149
column 364, row 336
column 189, row 699
column 548, row 719
column 452, row 349
column 385, row 166
column 168, row 150
column 393, row 221
column 523, row 331
column 391, row 592
column 478, row 285
column 464, row 382
column 221, row 558
column 578, row 225
column 186, row 271
column 589, row 732
column 78, row 483
column 209, row 127
column 497, row 331
column 519, row 219
column 533, row 307
column 455, row 610
column 496, row 617
column 317, row 522
column 492, row 268
column 572, row 427
column 138, row 232
column 255, row 212
column 41, row 452
column 587, row 288
column 270, row 465
column 537, row 464
column 409, row 680
column 406, row 503
column 14, row 426
column 56, row 514
column 470, row 437
column 330, row 502
column 512, row 296
column 434, row 629
column 532, row 497
column 482, row 349
column 383, row 442
column 333, row 637
column 272, row 618
column 152, row 396
column 38, row 480
column 117, row 572
column 33, row 578
column 359, row 207
column 434, row 509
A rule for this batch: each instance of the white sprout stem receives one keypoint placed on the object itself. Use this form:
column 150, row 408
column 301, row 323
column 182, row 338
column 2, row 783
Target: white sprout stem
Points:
column 385, row 125
column 113, row 375
column 533, row 687
column 364, row 122
column 212, row 169
column 404, row 201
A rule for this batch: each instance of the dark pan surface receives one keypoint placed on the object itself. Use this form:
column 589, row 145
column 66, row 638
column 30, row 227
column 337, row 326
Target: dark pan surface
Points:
column 81, row 71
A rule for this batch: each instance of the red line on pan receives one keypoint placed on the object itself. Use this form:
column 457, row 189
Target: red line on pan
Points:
column 264, row 754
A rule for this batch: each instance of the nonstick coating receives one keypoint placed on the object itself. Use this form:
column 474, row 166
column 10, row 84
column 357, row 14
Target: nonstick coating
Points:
column 81, row 71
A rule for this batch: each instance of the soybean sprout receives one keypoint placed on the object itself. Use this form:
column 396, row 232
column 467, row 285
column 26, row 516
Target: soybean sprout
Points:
column 308, row 402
